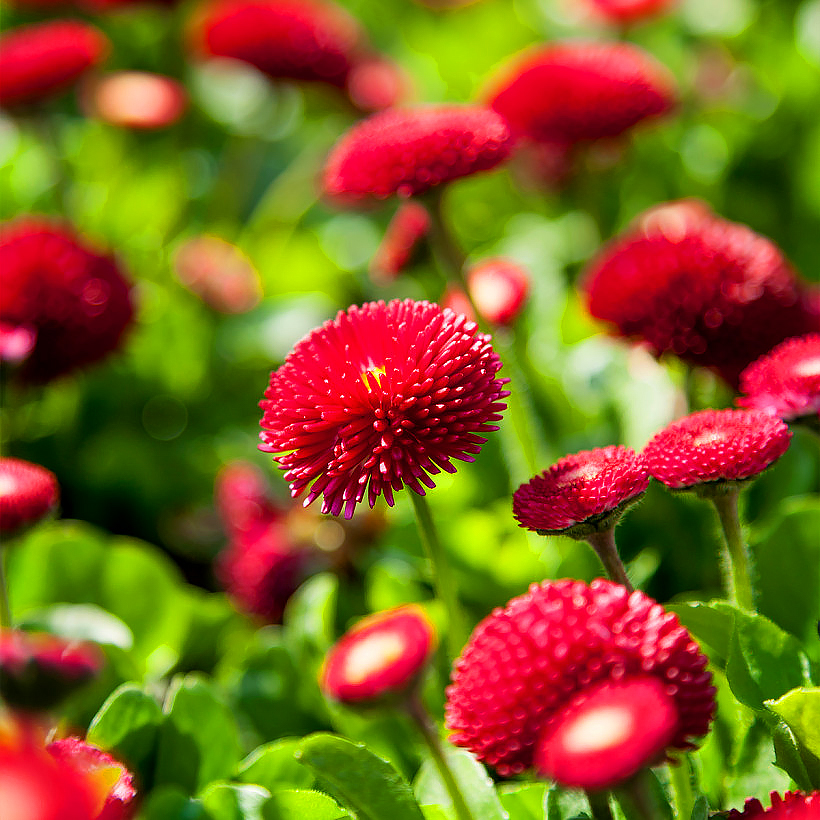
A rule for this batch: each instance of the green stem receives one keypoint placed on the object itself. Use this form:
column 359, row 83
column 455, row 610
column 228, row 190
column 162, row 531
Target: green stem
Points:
column 443, row 579
column 429, row 732
column 599, row 805
column 680, row 777
column 604, row 544
column 638, row 795
column 5, row 607
column 737, row 560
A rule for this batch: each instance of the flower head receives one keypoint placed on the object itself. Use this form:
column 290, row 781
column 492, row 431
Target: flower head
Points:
column 381, row 656
column 41, row 60
column 711, row 291
column 384, row 396
column 571, row 92
column 28, row 492
column 408, row 151
column 74, row 298
column 786, row 381
column 716, row 446
column 499, row 288
column 137, row 99
column 625, row 12
column 583, row 492
column 521, row 676
column 792, row 806
column 407, row 228
column 375, row 83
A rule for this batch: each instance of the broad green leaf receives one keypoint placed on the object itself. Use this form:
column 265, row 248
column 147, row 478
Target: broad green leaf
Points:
column 309, row 615
column 752, row 770
column 302, row 804
column 700, row 811
column 231, row 801
column 274, row 765
column 523, row 801
column 788, row 756
column 710, row 623
column 565, row 804
column 81, row 622
column 171, row 803
column 800, row 708
column 436, row 813
column 360, row 780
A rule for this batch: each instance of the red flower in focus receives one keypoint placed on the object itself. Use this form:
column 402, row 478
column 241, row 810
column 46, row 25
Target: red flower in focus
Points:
column 75, row 299
column 624, row 12
column 570, row 92
column 792, row 806
column 411, row 150
column 295, row 39
column 525, row 668
column 41, row 60
column 581, row 493
column 786, row 381
column 28, row 492
column 407, row 228
column 384, row 396
column 711, row 291
column 716, row 445
column 137, row 100
column 381, row 656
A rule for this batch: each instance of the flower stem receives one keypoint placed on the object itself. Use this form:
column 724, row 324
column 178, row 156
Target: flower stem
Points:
column 599, row 805
column 421, row 717
column 604, row 544
column 5, row 607
column 443, row 578
column 680, row 777
column 737, row 562
column 641, row 798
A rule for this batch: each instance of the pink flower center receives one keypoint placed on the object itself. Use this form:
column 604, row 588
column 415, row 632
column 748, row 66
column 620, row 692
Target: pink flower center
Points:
column 8, row 485
column 808, row 367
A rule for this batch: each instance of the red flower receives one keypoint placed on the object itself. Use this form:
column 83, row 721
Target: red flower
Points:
column 499, row 288
column 375, row 83
column 711, row 291
column 41, row 60
column 581, row 91
column 75, row 299
column 296, row 39
column 137, row 100
column 716, row 445
column 624, row 12
column 526, row 665
column 581, row 492
column 786, row 381
column 28, row 492
column 407, row 228
column 382, row 397
column 792, row 806
column 409, row 151
column 381, row 656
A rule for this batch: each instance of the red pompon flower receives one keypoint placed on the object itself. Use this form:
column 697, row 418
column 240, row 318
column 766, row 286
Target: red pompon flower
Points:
column 136, row 99
column 112, row 782
column 571, row 92
column 607, row 733
column 384, row 396
column 41, row 60
column 380, row 657
column 582, row 493
column 527, row 664
column 711, row 291
column 28, row 492
column 791, row 806
column 626, row 12
column 716, row 446
column 294, row 39
column 74, row 298
column 786, row 381
column 408, row 151
column 407, row 228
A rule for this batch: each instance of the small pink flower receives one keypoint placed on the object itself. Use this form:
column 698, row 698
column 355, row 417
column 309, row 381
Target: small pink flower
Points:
column 499, row 288
column 137, row 100
column 407, row 228
column 792, row 806
column 28, row 492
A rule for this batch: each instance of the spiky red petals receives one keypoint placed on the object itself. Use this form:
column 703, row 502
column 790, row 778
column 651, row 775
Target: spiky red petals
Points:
column 408, row 151
column 792, row 806
column 525, row 663
column 716, row 445
column 570, row 92
column 407, row 228
column 587, row 485
column 383, row 396
column 607, row 733
column 381, row 656
column 28, row 492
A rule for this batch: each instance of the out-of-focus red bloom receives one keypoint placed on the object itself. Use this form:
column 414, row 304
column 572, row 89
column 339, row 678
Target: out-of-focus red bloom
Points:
column 384, row 396
column 716, row 446
column 526, row 666
column 791, row 806
column 28, row 492
column 711, row 291
column 625, row 12
column 16, row 342
column 570, row 92
column 499, row 289
column 375, row 83
column 136, row 99
column 408, row 151
column 218, row 273
column 382, row 656
column 41, row 60
column 243, row 499
column 75, row 299
column 407, row 228
column 786, row 381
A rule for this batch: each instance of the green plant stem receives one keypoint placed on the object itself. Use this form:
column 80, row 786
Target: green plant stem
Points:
column 737, row 560
column 604, row 545
column 637, row 794
column 443, row 578
column 421, row 717
column 599, row 805
column 5, row 607
column 680, row 778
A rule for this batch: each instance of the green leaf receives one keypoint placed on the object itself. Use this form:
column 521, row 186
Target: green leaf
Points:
column 753, row 770
column 302, row 804
column 787, row 752
column 700, row 811
column 654, row 800
column 229, row 801
column 523, row 801
column 565, row 804
column 81, row 622
column 800, row 708
column 360, row 780
column 710, row 623
column 310, row 614
column 274, row 765
column 171, row 803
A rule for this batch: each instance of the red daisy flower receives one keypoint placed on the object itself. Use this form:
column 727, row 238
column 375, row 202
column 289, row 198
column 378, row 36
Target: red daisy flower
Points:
column 137, row 100
column 582, row 493
column 381, row 656
column 711, row 291
column 28, row 492
column 41, row 60
column 519, row 678
column 716, row 445
column 792, row 806
column 407, row 228
column 581, row 91
column 382, row 397
column 786, row 381
column 625, row 12
column 411, row 150
column 75, row 299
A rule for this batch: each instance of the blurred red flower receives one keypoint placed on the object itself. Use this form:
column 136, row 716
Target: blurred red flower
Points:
column 28, row 492
column 136, row 99
column 624, row 12
column 401, row 240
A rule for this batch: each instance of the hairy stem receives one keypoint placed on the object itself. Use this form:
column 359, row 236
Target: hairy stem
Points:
column 737, row 561
column 604, row 544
